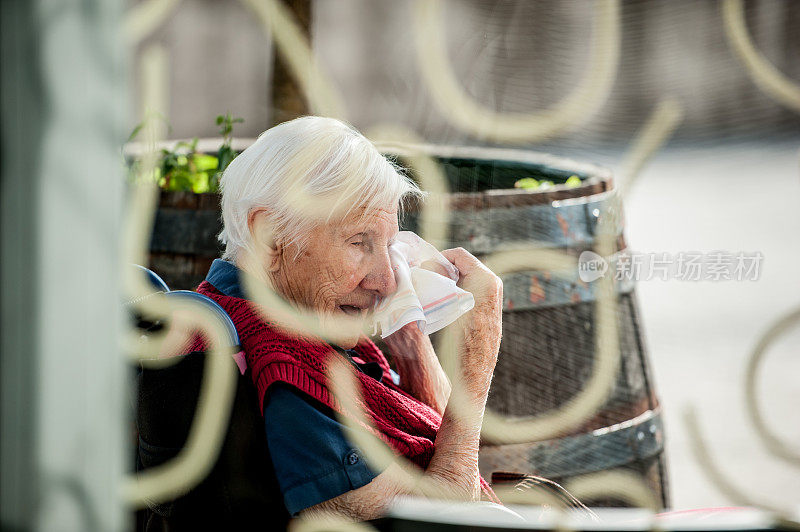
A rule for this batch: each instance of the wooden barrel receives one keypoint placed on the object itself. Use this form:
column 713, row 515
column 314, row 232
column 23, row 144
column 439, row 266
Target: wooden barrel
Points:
column 548, row 346
column 184, row 240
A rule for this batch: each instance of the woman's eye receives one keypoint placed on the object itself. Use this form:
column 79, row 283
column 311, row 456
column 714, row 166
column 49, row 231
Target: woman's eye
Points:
column 358, row 243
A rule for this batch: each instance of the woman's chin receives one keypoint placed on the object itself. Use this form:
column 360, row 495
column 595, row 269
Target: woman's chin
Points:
column 348, row 343
column 344, row 339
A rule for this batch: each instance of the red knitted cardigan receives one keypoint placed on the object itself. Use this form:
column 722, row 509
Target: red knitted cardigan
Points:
column 407, row 425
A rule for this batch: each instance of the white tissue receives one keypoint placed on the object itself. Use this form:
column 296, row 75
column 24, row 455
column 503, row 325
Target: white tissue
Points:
column 423, row 296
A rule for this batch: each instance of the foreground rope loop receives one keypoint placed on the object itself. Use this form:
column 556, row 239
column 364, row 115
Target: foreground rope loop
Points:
column 768, row 78
column 481, row 122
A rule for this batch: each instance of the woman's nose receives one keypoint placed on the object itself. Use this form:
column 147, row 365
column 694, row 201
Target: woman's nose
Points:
column 381, row 277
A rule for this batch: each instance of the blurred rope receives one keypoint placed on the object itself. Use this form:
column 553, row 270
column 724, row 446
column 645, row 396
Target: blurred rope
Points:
column 217, row 390
column 707, row 464
column 619, row 484
column 651, row 137
column 207, row 432
column 768, row 78
column 435, row 211
column 772, row 442
column 481, row 122
column 143, row 18
column 501, row 429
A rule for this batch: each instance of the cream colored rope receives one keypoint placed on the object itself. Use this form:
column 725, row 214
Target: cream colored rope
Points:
column 789, row 453
column 217, row 390
column 768, row 78
column 144, row 17
column 479, row 121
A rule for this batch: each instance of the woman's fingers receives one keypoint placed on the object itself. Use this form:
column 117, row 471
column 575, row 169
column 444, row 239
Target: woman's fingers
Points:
column 468, row 265
column 435, row 267
column 475, row 276
column 463, row 260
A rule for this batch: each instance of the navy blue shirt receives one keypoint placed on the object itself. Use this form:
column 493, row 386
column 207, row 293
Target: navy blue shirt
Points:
column 312, row 455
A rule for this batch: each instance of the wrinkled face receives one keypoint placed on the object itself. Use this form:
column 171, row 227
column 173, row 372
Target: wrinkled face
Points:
column 344, row 267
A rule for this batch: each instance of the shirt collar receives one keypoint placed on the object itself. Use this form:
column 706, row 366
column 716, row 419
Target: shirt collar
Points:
column 373, row 369
column 225, row 277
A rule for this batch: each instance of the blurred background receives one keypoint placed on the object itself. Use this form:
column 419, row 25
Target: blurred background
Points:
column 726, row 178
column 509, row 56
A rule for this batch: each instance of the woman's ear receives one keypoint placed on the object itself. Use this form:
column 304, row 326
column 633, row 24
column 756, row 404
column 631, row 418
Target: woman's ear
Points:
column 262, row 234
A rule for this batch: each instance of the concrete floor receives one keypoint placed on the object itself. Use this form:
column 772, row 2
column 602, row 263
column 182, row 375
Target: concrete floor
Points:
column 736, row 197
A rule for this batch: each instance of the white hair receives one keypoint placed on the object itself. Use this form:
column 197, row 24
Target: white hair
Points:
column 307, row 171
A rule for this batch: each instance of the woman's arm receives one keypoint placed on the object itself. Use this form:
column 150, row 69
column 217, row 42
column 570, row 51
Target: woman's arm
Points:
column 421, row 375
column 453, row 470
column 454, row 465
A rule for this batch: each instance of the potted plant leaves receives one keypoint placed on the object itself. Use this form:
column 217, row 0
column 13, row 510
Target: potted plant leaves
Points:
column 184, row 243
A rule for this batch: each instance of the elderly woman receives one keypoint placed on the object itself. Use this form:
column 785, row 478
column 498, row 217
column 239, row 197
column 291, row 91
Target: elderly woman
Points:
column 337, row 263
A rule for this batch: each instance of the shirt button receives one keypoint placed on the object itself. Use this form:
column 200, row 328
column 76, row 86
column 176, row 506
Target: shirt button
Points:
column 352, row 458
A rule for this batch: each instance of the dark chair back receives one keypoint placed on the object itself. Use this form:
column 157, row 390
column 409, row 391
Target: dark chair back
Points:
column 241, row 492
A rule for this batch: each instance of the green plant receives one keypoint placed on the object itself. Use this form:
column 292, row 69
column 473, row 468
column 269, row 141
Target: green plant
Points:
column 184, row 168
column 225, row 154
column 527, row 183
column 189, row 171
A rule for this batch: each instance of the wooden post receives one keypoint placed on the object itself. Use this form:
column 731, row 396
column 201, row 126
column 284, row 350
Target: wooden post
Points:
column 288, row 101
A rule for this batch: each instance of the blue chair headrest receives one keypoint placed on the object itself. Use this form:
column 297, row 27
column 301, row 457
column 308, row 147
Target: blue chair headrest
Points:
column 156, row 281
column 159, row 285
column 233, row 336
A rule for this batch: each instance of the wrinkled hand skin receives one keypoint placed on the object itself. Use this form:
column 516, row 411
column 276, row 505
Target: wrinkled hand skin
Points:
column 454, row 466
column 482, row 331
